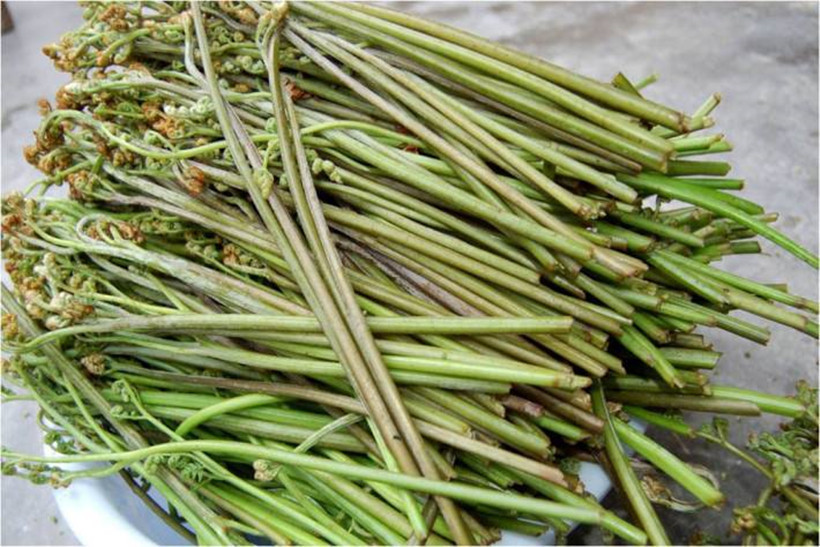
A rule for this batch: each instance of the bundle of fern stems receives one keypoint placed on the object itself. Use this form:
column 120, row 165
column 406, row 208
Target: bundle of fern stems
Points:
column 333, row 274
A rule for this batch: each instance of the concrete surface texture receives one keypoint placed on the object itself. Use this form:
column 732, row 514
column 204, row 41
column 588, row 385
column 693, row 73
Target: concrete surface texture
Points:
column 761, row 56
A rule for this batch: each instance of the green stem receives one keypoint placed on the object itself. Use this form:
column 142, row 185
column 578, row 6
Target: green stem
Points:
column 669, row 464
column 686, row 402
column 626, row 475
column 453, row 490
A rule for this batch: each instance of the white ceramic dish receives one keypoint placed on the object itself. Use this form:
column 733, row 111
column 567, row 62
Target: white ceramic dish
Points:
column 105, row 512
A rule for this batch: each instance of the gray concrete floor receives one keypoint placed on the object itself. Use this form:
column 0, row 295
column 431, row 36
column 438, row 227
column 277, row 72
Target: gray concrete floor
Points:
column 761, row 56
